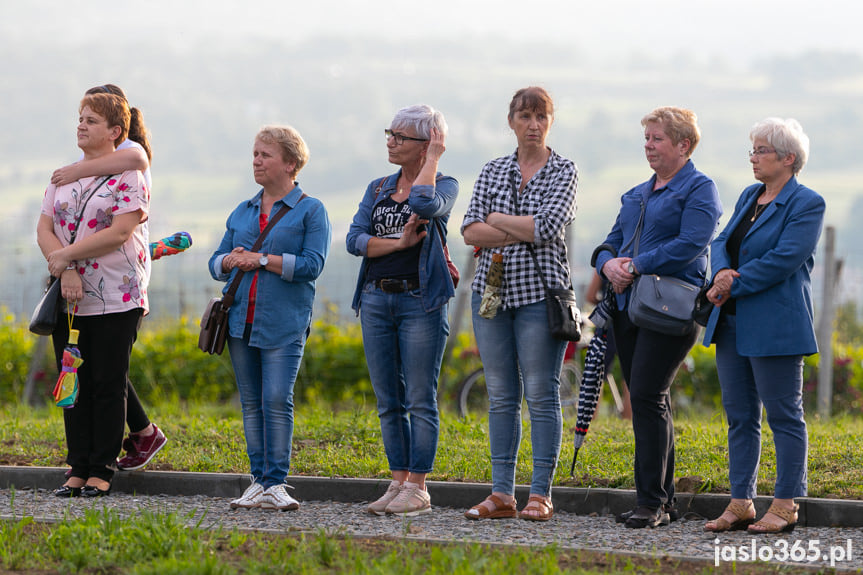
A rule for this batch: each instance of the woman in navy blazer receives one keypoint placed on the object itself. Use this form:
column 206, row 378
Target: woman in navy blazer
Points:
column 762, row 324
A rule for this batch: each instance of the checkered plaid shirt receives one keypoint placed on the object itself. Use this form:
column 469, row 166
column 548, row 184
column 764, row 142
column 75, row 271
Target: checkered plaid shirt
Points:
column 550, row 198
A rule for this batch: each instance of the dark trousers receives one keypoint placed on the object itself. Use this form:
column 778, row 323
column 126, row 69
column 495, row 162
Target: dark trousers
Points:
column 649, row 361
column 136, row 417
column 96, row 424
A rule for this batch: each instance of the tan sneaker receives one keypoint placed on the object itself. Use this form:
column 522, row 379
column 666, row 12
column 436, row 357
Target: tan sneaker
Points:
column 410, row 501
column 379, row 507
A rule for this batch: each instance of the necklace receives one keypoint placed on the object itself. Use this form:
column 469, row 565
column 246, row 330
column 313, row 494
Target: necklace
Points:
column 758, row 211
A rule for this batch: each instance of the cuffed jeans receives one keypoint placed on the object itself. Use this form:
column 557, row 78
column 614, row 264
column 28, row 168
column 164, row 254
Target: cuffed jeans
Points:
column 649, row 361
column 404, row 347
column 265, row 380
column 521, row 359
column 747, row 383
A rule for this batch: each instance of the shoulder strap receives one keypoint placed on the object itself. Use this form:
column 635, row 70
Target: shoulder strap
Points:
column 74, row 233
column 228, row 298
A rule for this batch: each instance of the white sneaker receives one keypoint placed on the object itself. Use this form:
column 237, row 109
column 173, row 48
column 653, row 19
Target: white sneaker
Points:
column 410, row 501
column 251, row 497
column 276, row 497
column 379, row 507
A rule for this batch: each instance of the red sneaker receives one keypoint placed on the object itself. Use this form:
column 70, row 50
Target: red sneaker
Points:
column 140, row 450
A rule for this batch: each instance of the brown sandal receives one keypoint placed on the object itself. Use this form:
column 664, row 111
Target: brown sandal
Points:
column 501, row 510
column 545, row 508
column 789, row 515
column 740, row 511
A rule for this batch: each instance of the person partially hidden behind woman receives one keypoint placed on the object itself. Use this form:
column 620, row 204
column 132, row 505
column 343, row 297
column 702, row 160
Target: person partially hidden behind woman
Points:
column 145, row 438
column 764, row 258
column 103, row 266
column 272, row 313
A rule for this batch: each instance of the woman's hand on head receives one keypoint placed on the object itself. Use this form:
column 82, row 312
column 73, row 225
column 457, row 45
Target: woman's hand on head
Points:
column 65, row 175
column 436, row 145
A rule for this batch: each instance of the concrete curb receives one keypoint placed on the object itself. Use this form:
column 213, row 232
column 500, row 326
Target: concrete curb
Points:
column 814, row 512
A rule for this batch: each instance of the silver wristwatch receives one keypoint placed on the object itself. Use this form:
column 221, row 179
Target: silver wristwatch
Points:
column 264, row 260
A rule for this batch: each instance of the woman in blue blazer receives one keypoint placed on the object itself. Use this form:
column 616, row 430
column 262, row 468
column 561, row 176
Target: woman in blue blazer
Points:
column 762, row 324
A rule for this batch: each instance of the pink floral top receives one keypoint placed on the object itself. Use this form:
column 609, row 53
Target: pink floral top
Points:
column 115, row 282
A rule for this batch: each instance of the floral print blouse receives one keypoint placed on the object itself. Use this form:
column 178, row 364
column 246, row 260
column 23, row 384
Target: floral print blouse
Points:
column 115, row 282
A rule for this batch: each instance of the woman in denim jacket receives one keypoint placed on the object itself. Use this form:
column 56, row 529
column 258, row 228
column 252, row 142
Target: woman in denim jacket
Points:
column 272, row 312
column 402, row 292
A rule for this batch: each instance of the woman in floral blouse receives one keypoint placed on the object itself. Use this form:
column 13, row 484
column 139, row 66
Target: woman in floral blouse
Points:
column 92, row 235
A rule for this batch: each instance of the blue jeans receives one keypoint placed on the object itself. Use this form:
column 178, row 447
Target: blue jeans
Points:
column 265, row 380
column 747, row 383
column 521, row 358
column 404, row 348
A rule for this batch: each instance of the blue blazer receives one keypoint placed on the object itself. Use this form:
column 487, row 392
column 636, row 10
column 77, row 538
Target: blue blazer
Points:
column 774, row 290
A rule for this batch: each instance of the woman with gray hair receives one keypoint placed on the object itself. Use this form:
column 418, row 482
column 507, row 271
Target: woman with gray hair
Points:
column 763, row 260
column 402, row 291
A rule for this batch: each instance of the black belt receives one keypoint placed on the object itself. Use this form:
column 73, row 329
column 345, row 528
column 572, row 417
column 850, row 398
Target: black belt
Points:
column 396, row 286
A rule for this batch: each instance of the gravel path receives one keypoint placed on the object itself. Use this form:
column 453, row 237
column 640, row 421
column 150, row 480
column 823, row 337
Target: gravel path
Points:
column 684, row 538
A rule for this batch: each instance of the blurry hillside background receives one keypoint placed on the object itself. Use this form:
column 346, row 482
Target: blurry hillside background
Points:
column 208, row 75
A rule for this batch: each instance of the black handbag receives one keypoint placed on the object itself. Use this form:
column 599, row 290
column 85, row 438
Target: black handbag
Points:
column 214, row 321
column 44, row 318
column 661, row 303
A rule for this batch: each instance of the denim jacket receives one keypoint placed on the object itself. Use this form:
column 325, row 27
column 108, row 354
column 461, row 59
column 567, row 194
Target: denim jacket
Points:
column 433, row 203
column 283, row 308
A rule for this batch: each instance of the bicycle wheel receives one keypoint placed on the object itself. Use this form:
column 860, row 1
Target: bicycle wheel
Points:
column 472, row 396
column 570, row 383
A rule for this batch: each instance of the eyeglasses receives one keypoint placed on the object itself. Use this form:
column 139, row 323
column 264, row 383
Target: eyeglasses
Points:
column 400, row 138
column 762, row 151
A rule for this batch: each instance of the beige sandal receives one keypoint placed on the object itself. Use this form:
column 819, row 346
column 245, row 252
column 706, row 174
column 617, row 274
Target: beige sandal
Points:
column 501, row 510
column 788, row 515
column 740, row 511
column 540, row 504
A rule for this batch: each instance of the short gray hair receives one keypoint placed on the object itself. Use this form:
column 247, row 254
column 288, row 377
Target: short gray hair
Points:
column 786, row 137
column 422, row 119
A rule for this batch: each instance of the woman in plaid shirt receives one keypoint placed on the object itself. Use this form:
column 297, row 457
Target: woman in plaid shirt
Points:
column 525, row 198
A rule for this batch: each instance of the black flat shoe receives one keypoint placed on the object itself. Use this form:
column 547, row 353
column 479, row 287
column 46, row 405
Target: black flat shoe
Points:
column 93, row 491
column 647, row 517
column 66, row 491
column 670, row 508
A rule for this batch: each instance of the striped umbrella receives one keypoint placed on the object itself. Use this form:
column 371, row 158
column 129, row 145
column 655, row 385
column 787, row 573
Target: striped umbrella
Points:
column 593, row 373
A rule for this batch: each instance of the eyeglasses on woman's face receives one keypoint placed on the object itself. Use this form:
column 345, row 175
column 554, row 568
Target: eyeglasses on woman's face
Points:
column 761, row 151
column 400, row 138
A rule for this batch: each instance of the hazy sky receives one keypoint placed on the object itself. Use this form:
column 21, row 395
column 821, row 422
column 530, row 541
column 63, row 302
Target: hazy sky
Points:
column 703, row 28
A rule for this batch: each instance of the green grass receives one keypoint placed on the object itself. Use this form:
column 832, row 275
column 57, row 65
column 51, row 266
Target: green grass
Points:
column 346, row 443
column 165, row 544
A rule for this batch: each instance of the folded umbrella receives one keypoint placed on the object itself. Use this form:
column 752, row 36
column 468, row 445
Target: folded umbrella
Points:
column 66, row 391
column 593, row 373
column 170, row 245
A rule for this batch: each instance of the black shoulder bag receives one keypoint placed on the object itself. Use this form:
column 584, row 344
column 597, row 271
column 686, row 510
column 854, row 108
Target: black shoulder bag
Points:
column 564, row 318
column 661, row 303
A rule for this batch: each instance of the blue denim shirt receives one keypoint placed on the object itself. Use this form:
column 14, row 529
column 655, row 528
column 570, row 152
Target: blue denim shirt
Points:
column 680, row 220
column 283, row 308
column 433, row 203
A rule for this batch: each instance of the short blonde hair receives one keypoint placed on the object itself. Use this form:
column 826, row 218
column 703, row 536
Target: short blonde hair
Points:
column 678, row 124
column 294, row 148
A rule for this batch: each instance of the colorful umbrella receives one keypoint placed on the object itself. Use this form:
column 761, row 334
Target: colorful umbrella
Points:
column 66, row 390
column 593, row 373
column 170, row 245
